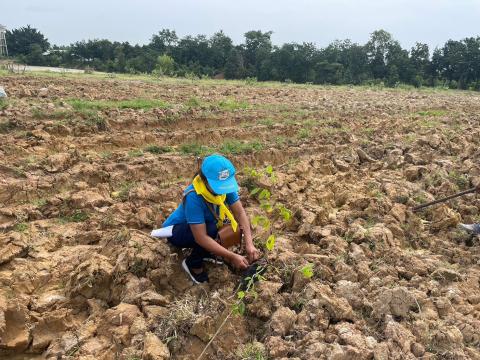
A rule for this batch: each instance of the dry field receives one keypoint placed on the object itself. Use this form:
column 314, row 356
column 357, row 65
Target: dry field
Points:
column 90, row 164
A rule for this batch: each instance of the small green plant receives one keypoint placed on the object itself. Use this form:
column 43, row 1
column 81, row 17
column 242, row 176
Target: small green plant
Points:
column 135, row 153
column 193, row 102
column 21, row 227
column 261, row 221
column 146, row 104
column 307, row 271
column 106, row 154
column 3, row 104
column 238, row 147
column 285, row 213
column 191, row 76
column 252, row 351
column 124, row 191
column 195, row 149
column 155, row 149
column 251, row 81
column 460, row 180
column 232, row 105
column 77, row 216
column 238, row 307
column 303, row 133
column 432, row 113
column 267, row 122
column 39, row 202
column 270, row 243
column 419, row 198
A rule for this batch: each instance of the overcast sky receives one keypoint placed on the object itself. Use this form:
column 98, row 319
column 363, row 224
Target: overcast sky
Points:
column 318, row 21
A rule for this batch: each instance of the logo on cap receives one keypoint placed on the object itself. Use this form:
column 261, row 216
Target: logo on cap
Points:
column 223, row 175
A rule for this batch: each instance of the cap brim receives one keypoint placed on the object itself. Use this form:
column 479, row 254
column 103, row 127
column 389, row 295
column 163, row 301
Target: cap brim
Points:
column 223, row 186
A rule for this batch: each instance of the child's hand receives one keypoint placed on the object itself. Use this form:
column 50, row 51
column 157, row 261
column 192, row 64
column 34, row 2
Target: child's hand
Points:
column 252, row 253
column 239, row 261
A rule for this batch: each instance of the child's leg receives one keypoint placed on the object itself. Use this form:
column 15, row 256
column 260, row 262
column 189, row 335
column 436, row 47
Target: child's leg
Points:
column 182, row 237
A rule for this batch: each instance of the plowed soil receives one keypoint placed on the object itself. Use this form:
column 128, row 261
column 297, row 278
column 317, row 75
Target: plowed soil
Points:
column 89, row 165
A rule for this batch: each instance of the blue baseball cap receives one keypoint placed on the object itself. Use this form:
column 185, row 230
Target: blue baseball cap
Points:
column 220, row 174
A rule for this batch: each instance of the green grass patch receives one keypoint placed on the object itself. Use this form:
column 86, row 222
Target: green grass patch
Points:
column 76, row 217
column 155, row 149
column 106, row 154
column 3, row 104
column 146, row 104
column 267, row 122
column 194, row 102
column 94, row 119
column 232, row 104
column 252, row 351
column 39, row 202
column 236, row 147
column 124, row 191
column 21, row 227
column 460, row 180
column 334, row 130
column 303, row 133
column 432, row 112
column 196, row 149
column 135, row 153
column 229, row 146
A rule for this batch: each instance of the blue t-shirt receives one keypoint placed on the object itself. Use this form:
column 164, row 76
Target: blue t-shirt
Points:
column 194, row 209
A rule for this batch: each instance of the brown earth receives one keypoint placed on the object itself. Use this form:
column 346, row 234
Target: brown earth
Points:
column 80, row 277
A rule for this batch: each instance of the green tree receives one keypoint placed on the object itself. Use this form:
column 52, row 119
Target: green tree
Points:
column 377, row 48
column 221, row 46
column 165, row 65
column 20, row 41
column 257, row 50
column 420, row 61
column 164, row 41
column 35, row 55
column 234, row 67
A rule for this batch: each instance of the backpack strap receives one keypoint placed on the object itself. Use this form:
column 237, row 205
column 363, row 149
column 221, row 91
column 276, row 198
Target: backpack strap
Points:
column 210, row 207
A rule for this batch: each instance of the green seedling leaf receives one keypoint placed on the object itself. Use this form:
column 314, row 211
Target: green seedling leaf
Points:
column 264, row 194
column 270, row 244
column 241, row 295
column 266, row 224
column 266, row 206
column 269, row 170
column 261, row 221
column 255, row 191
column 307, row 271
column 239, row 308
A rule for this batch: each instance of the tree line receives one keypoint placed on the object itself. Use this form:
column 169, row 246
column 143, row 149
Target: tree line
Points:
column 381, row 60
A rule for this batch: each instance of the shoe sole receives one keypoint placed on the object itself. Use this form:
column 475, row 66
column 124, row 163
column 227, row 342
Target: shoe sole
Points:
column 466, row 228
column 213, row 261
column 187, row 270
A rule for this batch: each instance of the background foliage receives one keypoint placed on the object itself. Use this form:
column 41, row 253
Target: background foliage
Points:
column 380, row 61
